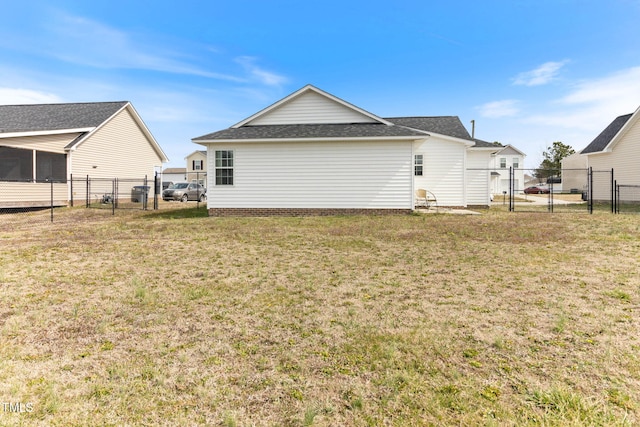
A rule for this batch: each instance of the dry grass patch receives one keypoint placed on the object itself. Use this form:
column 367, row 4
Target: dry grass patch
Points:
column 177, row 319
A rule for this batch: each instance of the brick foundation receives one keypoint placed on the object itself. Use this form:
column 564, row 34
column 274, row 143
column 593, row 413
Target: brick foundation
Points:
column 219, row 212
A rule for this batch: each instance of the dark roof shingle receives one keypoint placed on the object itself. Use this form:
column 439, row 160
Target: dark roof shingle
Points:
column 40, row 117
column 605, row 137
column 444, row 125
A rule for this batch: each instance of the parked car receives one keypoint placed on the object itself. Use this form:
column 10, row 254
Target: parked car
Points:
column 166, row 184
column 536, row 190
column 184, row 191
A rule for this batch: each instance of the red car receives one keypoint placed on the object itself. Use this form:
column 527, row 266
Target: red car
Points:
column 536, row 190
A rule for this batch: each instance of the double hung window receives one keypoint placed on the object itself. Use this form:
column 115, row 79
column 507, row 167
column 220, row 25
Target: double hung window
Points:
column 418, row 164
column 224, row 167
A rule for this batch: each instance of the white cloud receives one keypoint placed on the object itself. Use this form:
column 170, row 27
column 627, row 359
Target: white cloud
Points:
column 621, row 88
column 87, row 42
column 497, row 109
column 542, row 75
column 592, row 104
column 11, row 96
column 266, row 77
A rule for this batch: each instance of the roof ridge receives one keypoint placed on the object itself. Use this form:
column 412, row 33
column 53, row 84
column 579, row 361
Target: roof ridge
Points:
column 63, row 103
column 419, row 117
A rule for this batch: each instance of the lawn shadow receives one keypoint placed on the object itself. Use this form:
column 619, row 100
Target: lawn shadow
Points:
column 196, row 212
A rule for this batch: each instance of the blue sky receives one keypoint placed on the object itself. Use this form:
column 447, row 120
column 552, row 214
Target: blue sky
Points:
column 528, row 72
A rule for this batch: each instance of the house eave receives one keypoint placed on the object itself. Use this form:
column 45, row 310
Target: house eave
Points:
column 473, row 147
column 43, row 132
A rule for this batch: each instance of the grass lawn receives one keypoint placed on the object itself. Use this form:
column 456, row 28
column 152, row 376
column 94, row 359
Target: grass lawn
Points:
column 174, row 318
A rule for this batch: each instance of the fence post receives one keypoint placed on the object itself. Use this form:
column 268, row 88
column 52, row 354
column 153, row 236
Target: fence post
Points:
column 51, row 179
column 145, row 193
column 113, row 197
column 86, row 199
column 71, row 186
column 590, row 190
column 155, row 191
column 550, row 197
column 197, row 190
column 511, row 178
column 613, row 194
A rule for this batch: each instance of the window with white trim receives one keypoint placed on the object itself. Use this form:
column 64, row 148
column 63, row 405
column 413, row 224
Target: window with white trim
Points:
column 224, row 167
column 503, row 162
column 418, row 162
column 197, row 165
column 516, row 163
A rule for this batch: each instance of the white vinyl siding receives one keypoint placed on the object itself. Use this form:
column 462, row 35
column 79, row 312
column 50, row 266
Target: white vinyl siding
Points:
column 119, row 149
column 22, row 194
column 478, row 178
column 311, row 107
column 624, row 158
column 373, row 174
column 444, row 171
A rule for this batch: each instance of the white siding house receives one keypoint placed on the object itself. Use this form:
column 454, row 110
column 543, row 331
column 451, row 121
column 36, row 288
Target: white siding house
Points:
column 197, row 167
column 574, row 173
column 44, row 142
column 503, row 160
column 617, row 147
column 312, row 152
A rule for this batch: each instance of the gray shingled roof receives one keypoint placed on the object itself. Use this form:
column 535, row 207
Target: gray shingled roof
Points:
column 605, row 137
column 353, row 130
column 40, row 117
column 404, row 126
column 444, row 125
column 486, row 144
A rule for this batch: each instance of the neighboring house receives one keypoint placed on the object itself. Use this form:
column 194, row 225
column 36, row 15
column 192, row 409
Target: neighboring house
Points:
column 197, row 167
column 312, row 152
column 44, row 142
column 502, row 161
column 616, row 148
column 574, row 173
column 479, row 175
column 174, row 175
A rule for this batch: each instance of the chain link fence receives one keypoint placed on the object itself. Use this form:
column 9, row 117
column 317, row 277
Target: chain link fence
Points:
column 24, row 202
column 627, row 199
column 571, row 190
column 583, row 190
column 548, row 190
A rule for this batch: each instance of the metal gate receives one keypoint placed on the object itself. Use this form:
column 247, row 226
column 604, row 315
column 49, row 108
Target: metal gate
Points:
column 561, row 190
